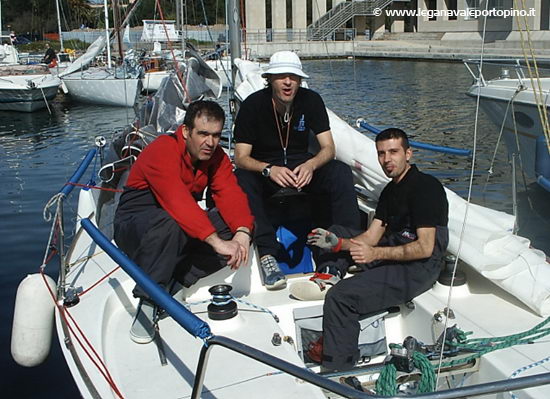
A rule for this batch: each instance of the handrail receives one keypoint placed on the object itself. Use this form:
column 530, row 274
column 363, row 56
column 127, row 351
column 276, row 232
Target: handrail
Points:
column 506, row 61
column 69, row 186
column 342, row 12
column 199, row 328
column 348, row 392
column 426, row 146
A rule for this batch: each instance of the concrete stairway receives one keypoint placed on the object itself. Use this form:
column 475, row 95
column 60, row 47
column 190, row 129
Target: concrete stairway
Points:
column 325, row 26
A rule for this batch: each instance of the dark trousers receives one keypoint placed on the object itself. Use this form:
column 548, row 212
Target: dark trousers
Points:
column 334, row 179
column 377, row 288
column 152, row 239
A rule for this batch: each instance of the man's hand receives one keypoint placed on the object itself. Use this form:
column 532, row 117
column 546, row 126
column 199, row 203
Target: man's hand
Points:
column 283, row 176
column 324, row 239
column 244, row 241
column 232, row 250
column 304, row 174
column 362, row 252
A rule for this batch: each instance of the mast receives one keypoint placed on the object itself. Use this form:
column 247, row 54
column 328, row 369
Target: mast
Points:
column 234, row 22
column 0, row 22
column 108, row 44
column 116, row 17
column 183, row 20
column 58, row 26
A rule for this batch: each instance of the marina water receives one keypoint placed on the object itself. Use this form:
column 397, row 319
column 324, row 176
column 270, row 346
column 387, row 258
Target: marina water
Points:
column 39, row 152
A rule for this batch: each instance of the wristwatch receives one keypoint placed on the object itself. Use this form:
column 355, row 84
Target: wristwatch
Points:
column 266, row 171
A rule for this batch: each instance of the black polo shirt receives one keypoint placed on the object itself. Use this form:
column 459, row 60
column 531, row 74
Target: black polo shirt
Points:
column 418, row 200
column 256, row 125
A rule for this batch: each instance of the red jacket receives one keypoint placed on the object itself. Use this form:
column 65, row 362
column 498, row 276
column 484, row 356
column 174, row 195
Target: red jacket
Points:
column 165, row 168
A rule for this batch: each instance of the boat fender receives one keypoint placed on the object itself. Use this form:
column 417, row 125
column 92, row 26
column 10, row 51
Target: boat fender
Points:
column 31, row 335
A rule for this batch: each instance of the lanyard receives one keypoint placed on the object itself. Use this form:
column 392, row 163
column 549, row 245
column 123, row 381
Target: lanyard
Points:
column 284, row 145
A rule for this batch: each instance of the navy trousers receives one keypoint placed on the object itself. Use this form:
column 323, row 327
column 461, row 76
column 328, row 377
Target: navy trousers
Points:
column 333, row 180
column 152, row 239
column 380, row 286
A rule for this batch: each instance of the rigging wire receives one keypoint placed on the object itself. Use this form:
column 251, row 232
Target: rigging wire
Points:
column 469, row 196
column 538, row 94
column 176, row 63
column 332, row 74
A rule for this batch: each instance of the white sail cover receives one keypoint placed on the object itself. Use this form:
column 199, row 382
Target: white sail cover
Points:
column 93, row 51
column 485, row 237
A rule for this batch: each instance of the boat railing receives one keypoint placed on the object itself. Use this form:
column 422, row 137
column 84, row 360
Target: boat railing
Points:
column 200, row 329
column 416, row 144
column 518, row 65
column 58, row 222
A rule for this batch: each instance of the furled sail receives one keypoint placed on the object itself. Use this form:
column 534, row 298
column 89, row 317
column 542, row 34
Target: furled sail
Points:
column 93, row 51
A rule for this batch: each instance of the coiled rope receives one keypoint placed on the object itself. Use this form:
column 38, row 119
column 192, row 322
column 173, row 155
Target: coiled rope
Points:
column 386, row 384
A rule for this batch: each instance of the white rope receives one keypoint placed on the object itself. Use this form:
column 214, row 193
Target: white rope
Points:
column 45, row 100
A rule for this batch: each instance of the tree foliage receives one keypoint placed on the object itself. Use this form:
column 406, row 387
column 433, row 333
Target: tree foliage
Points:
column 37, row 17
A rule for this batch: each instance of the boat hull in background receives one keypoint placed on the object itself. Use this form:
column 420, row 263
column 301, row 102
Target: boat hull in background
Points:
column 27, row 93
column 102, row 88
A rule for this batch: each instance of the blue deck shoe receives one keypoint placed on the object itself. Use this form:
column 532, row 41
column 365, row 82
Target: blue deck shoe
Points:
column 143, row 327
column 273, row 277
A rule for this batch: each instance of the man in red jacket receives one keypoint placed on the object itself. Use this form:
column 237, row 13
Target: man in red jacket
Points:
column 158, row 222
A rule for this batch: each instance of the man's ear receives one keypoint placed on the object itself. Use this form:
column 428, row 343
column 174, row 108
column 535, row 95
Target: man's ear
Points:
column 408, row 153
column 185, row 132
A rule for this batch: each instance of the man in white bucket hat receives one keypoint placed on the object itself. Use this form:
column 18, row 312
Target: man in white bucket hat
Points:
column 272, row 131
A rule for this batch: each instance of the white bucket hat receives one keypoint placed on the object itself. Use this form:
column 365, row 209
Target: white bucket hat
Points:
column 285, row 62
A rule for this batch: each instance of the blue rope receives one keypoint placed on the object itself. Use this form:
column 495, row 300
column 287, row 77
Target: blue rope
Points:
column 525, row 368
column 265, row 310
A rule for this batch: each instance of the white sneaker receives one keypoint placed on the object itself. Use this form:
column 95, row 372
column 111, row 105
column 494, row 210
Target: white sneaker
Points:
column 143, row 328
column 315, row 288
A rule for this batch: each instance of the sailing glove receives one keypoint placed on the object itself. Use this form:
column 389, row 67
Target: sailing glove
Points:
column 324, row 239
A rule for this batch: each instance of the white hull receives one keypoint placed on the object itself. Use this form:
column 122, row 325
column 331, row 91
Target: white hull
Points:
column 495, row 99
column 498, row 261
column 102, row 88
column 27, row 93
column 105, row 314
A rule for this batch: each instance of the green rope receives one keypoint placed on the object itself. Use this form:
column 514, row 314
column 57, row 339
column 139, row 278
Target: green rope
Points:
column 386, row 384
column 428, row 377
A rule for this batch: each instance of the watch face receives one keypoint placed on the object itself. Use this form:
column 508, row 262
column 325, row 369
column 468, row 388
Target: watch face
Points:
column 266, row 171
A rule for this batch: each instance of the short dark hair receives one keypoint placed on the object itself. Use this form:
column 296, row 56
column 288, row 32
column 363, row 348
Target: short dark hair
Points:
column 208, row 108
column 393, row 133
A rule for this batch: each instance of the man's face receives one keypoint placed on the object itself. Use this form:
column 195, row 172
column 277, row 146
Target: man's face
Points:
column 203, row 139
column 285, row 86
column 393, row 158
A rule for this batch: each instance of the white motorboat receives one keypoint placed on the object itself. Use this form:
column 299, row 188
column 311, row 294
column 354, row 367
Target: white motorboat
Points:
column 25, row 88
column 262, row 348
column 511, row 104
